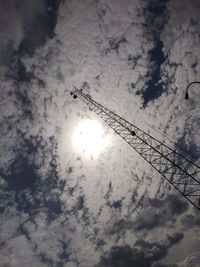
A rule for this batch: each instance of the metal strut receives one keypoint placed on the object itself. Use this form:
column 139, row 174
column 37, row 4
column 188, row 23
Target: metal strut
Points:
column 180, row 172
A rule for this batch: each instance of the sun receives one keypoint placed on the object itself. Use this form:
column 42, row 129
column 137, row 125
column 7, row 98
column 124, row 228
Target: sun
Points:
column 89, row 138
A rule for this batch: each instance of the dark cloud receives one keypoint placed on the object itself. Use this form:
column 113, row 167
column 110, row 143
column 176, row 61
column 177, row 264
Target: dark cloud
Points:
column 190, row 150
column 148, row 220
column 114, row 44
column 164, row 265
column 191, row 220
column 160, row 212
column 173, row 239
column 25, row 24
column 154, row 213
column 18, row 72
column 143, row 254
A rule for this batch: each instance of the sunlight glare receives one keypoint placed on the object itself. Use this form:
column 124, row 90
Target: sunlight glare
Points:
column 90, row 138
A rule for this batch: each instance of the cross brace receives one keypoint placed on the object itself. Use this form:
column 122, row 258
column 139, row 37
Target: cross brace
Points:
column 180, row 172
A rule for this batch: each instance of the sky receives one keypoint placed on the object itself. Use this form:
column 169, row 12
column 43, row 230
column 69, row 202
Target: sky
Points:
column 62, row 204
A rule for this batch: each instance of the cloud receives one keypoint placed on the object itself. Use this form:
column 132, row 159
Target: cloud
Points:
column 191, row 260
column 155, row 213
column 190, row 220
column 142, row 254
column 104, row 45
column 24, row 25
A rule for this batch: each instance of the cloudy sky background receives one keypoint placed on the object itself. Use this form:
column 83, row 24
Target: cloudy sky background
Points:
column 59, row 206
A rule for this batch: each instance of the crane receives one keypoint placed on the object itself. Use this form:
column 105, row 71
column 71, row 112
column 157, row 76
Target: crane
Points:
column 181, row 173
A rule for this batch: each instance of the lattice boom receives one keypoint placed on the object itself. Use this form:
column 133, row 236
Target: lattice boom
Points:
column 180, row 172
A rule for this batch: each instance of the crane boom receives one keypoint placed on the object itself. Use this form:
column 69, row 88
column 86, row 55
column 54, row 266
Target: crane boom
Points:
column 180, row 172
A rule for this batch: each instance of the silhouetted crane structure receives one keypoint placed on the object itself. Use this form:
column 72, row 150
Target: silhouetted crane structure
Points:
column 180, row 172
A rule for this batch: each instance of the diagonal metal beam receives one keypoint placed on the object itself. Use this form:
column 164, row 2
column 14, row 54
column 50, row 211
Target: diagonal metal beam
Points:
column 181, row 173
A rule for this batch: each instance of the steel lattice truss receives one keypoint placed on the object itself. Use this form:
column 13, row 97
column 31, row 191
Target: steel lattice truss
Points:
column 180, row 172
